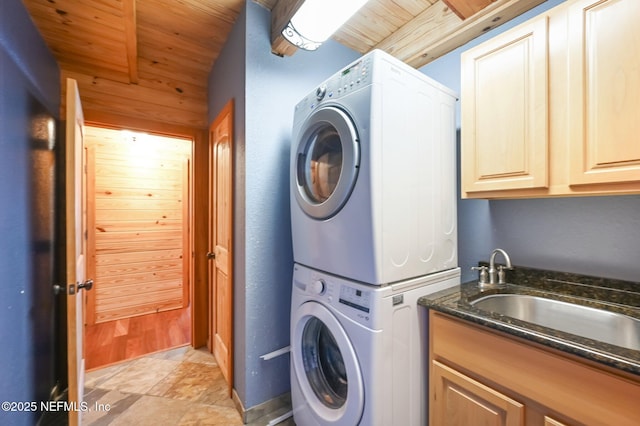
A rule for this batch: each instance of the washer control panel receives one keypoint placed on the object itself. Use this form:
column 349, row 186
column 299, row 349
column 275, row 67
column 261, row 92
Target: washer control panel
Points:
column 358, row 302
column 356, row 298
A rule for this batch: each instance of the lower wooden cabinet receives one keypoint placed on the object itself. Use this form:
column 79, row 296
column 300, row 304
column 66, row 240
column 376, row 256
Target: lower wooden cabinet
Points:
column 482, row 377
column 460, row 401
column 548, row 421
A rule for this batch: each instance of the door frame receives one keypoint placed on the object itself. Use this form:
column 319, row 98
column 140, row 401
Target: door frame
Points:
column 198, row 189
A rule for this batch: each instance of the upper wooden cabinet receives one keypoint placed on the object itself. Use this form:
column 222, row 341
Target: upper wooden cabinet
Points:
column 505, row 111
column 551, row 107
column 604, row 91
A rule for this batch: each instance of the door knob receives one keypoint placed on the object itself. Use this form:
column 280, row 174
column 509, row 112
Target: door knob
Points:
column 73, row 288
column 211, row 255
column 87, row 285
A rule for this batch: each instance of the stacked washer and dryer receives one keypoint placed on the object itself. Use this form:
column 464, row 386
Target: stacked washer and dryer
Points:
column 373, row 211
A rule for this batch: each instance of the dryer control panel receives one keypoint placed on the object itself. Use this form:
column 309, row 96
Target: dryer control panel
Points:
column 351, row 78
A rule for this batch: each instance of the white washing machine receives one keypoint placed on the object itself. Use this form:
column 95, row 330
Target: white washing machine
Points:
column 358, row 354
column 373, row 195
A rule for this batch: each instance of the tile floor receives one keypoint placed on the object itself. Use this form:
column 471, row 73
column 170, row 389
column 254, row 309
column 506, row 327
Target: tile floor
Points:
column 182, row 386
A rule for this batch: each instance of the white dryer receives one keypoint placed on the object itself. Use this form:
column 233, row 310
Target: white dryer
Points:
column 358, row 354
column 373, row 195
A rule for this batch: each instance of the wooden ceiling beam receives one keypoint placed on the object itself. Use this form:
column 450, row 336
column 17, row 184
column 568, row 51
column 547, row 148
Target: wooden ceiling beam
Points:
column 438, row 30
column 131, row 37
column 466, row 8
column 281, row 14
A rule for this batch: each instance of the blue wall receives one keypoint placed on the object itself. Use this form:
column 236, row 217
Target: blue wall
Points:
column 28, row 72
column 227, row 81
column 593, row 235
column 266, row 89
column 587, row 235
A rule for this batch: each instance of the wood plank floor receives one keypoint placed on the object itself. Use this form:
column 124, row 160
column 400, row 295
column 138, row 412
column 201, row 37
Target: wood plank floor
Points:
column 116, row 341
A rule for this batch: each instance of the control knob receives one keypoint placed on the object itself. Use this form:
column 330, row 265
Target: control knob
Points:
column 320, row 92
column 316, row 287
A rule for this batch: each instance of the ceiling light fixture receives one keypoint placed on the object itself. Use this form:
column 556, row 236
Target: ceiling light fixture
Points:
column 316, row 20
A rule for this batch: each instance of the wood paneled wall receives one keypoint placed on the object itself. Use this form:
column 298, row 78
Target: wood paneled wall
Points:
column 199, row 216
column 138, row 217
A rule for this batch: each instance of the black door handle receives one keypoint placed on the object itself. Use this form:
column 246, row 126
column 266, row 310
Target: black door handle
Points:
column 87, row 285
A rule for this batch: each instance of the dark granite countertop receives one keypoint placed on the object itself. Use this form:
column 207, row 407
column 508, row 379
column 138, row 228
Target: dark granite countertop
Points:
column 611, row 295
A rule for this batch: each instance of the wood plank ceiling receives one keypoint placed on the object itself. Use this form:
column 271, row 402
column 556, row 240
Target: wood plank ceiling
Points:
column 142, row 58
column 415, row 31
column 151, row 58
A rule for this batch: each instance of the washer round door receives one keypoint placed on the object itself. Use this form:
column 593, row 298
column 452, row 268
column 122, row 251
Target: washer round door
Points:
column 326, row 162
column 326, row 366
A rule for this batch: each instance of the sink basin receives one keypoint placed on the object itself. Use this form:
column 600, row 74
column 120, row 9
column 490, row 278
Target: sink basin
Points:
column 597, row 324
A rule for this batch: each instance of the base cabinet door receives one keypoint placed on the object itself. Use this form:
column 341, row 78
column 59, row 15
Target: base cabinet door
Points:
column 460, row 401
column 550, row 421
column 479, row 376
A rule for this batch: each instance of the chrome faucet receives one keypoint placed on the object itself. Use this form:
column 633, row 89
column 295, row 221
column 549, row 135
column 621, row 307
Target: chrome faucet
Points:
column 492, row 272
column 500, row 271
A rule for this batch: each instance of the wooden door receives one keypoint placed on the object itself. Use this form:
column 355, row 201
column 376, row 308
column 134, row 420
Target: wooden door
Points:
column 76, row 232
column 604, row 54
column 505, row 115
column 458, row 400
column 220, row 253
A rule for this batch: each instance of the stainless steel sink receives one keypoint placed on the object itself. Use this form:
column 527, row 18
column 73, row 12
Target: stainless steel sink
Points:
column 597, row 324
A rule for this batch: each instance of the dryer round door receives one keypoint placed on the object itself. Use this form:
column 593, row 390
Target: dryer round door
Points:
column 326, row 366
column 327, row 161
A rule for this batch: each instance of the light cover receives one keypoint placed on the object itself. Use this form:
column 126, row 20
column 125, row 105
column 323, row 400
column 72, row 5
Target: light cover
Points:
column 316, row 20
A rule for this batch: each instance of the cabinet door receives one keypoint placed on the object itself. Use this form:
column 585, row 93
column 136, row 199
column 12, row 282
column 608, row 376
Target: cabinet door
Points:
column 604, row 88
column 548, row 421
column 458, row 400
column 505, row 111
